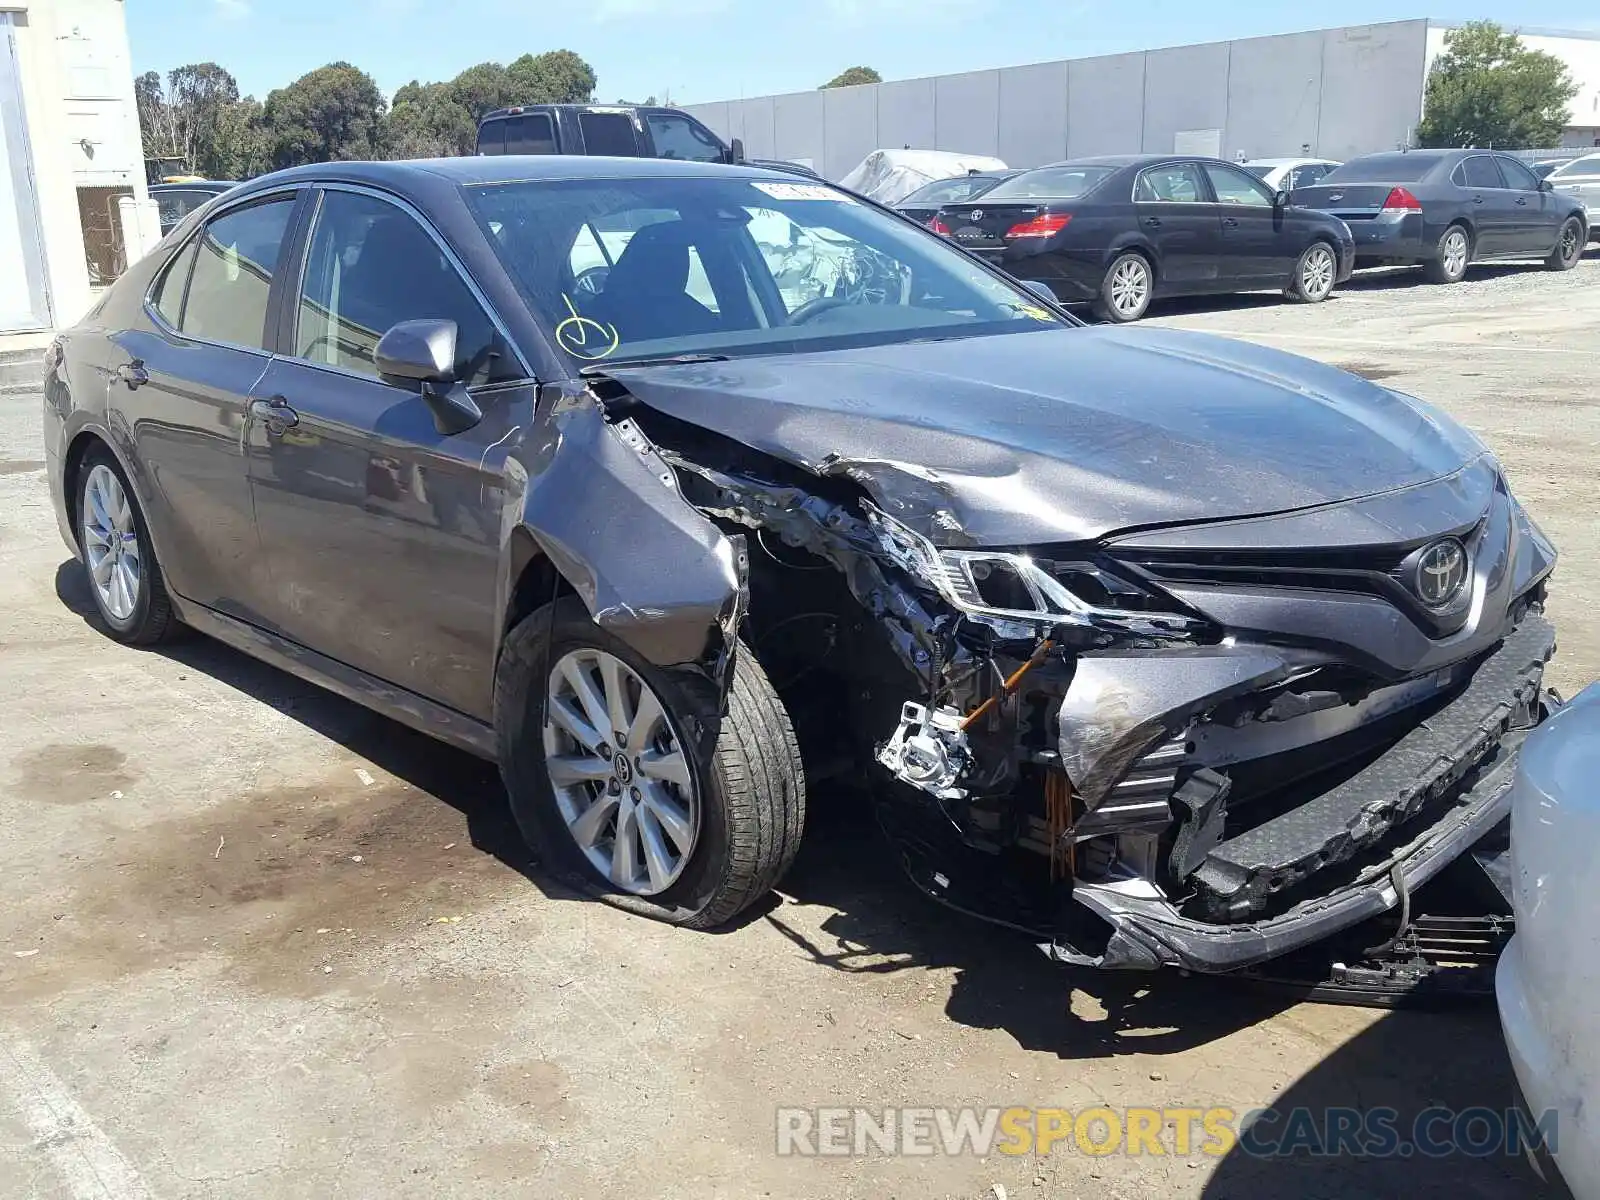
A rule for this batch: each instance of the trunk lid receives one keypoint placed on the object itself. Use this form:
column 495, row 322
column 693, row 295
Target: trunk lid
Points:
column 1351, row 201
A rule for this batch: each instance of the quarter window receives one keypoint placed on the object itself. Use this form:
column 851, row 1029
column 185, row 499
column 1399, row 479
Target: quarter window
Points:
column 169, row 292
column 371, row 266
column 608, row 134
column 1234, row 186
column 1173, row 183
column 237, row 256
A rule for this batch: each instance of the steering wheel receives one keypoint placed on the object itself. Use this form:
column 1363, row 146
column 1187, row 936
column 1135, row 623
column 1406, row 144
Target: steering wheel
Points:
column 813, row 308
column 591, row 282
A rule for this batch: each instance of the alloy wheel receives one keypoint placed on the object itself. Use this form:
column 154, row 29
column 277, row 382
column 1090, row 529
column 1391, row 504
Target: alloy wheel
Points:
column 1454, row 253
column 1569, row 241
column 621, row 779
column 1317, row 272
column 1130, row 286
column 111, row 543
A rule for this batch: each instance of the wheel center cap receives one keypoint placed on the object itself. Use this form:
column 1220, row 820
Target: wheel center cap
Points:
column 623, row 768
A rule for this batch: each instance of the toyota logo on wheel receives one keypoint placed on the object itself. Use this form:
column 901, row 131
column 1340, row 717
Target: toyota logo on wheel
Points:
column 1441, row 572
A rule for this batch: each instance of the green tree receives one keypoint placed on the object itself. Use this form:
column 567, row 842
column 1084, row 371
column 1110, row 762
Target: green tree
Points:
column 335, row 112
column 427, row 122
column 851, row 76
column 1488, row 89
column 243, row 148
column 197, row 115
column 554, row 77
column 482, row 89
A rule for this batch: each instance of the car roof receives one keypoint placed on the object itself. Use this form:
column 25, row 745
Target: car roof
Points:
column 1283, row 162
column 510, row 168
column 196, row 185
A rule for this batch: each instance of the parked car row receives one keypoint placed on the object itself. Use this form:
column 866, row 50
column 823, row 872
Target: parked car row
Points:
column 1121, row 231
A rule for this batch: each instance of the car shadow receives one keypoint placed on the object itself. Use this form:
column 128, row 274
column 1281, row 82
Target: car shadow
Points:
column 876, row 922
column 1412, row 1064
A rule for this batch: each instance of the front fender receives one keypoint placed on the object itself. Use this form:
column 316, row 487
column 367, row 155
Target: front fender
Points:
column 604, row 508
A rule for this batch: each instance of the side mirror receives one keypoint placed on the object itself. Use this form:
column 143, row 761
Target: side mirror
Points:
column 425, row 352
column 1040, row 289
column 1546, row 186
column 1280, row 198
column 736, row 150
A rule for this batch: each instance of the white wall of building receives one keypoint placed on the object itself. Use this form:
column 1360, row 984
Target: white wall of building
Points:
column 76, row 125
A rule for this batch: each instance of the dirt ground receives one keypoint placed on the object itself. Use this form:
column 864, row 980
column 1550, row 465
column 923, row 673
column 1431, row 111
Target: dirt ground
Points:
column 256, row 942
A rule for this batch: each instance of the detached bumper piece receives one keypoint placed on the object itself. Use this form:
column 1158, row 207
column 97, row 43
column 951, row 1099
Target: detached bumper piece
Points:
column 1240, row 875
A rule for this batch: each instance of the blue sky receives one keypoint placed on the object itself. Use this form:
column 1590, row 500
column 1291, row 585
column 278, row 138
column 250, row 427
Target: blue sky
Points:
column 718, row 49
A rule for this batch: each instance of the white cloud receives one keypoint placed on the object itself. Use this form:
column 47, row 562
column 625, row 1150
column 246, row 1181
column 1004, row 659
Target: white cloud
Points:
column 232, row 10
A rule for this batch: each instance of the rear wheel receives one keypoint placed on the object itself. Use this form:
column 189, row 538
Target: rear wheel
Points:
column 1569, row 246
column 124, row 578
column 1315, row 274
column 1449, row 262
column 1126, row 290
column 634, row 783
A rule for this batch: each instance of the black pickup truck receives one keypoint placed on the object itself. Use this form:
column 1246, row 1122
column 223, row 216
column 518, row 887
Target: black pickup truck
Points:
column 618, row 131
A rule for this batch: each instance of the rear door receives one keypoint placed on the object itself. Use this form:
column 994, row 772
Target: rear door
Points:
column 1490, row 205
column 1175, row 213
column 184, row 391
column 1536, row 214
column 673, row 135
column 382, row 534
column 1259, row 244
column 609, row 132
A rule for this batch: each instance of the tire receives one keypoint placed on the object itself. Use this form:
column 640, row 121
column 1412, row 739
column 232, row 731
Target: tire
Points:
column 125, row 581
column 1569, row 246
column 746, row 807
column 1315, row 274
column 1450, row 260
column 1126, row 290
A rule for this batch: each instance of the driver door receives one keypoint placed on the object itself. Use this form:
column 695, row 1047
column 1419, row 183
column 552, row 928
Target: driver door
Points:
column 381, row 535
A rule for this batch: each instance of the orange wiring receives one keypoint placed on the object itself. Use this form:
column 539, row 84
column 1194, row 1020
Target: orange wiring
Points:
column 1010, row 685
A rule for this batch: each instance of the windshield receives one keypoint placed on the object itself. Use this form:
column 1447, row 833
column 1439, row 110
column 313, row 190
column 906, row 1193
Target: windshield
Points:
column 1258, row 170
column 1383, row 168
column 948, row 191
column 1589, row 165
column 1050, row 183
column 651, row 268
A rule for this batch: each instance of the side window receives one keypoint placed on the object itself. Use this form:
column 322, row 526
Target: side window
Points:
column 608, row 134
column 371, row 266
column 492, row 137
column 1518, row 176
column 1234, row 186
column 1306, row 176
column 1479, row 171
column 168, row 296
column 1172, row 183
column 679, row 137
column 173, row 207
column 237, row 257
column 531, row 134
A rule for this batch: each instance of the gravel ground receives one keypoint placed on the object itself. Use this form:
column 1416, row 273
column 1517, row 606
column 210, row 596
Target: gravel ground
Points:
column 256, row 942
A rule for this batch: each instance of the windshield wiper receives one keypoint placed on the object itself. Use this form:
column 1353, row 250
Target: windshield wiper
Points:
column 602, row 366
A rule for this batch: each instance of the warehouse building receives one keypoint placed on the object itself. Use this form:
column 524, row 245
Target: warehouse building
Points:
column 1331, row 93
column 69, row 148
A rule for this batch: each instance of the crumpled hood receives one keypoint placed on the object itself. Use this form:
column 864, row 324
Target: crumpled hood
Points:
column 1068, row 435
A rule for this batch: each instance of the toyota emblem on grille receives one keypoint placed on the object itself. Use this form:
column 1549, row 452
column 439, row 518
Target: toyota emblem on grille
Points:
column 1441, row 572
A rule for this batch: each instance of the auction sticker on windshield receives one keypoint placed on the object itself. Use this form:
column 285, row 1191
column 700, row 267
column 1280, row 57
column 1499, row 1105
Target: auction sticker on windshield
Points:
column 802, row 191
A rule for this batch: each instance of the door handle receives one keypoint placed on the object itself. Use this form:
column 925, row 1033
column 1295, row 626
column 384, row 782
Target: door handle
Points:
column 1477, row 199
column 1231, row 222
column 275, row 414
column 133, row 373
column 1153, row 222
column 1522, row 199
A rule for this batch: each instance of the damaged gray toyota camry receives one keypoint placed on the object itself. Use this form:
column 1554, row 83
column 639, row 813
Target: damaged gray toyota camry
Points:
column 675, row 489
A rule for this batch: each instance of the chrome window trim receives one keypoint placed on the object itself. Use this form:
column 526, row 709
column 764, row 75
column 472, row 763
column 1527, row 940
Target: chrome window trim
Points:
column 1133, row 194
column 456, row 265
column 290, row 193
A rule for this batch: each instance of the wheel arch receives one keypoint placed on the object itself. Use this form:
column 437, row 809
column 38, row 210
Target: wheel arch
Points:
column 1140, row 246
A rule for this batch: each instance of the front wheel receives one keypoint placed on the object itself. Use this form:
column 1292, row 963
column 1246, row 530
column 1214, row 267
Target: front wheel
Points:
column 1126, row 290
column 1569, row 246
column 1449, row 262
column 635, row 783
column 1315, row 274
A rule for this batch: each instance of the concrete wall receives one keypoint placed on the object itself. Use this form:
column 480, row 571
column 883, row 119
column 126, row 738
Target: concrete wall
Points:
column 1334, row 93
column 81, row 129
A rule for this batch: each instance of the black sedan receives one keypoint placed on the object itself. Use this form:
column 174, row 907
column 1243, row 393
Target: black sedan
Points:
column 798, row 490
column 175, row 201
column 924, row 203
column 1123, row 230
column 1445, row 209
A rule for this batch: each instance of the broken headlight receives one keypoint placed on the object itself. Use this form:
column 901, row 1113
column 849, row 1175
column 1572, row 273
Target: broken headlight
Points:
column 1019, row 594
